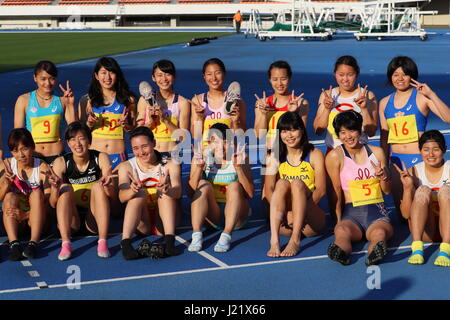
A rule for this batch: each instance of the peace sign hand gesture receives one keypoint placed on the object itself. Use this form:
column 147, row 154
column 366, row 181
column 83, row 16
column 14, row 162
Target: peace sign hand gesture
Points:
column 294, row 103
column 164, row 181
column 362, row 99
column 239, row 156
column 405, row 176
column 107, row 180
column 68, row 96
column 198, row 159
column 135, row 184
column 380, row 172
column 124, row 117
column 9, row 175
column 199, row 110
column 261, row 103
column 54, row 180
column 328, row 101
column 422, row 88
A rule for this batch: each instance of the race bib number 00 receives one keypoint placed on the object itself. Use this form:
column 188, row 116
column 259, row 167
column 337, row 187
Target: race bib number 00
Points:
column 364, row 192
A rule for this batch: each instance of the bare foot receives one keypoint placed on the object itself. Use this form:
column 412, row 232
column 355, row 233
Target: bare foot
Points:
column 291, row 249
column 274, row 250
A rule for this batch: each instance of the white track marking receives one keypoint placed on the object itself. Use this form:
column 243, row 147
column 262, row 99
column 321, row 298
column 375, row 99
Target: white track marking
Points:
column 204, row 254
column 43, row 284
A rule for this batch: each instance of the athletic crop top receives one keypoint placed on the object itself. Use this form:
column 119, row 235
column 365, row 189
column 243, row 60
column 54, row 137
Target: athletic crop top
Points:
column 213, row 116
column 45, row 124
column 274, row 114
column 341, row 104
column 21, row 185
column 161, row 132
column 404, row 123
column 82, row 181
column 107, row 125
column 353, row 171
column 304, row 171
column 149, row 180
column 220, row 179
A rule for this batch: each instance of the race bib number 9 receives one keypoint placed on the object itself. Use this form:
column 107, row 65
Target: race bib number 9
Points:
column 108, row 126
column 364, row 192
column 46, row 128
column 402, row 129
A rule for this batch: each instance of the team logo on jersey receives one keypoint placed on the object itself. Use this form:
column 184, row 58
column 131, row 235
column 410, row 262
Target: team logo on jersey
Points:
column 91, row 170
column 399, row 114
column 33, row 109
column 414, row 160
column 54, row 108
column 117, row 108
column 409, row 107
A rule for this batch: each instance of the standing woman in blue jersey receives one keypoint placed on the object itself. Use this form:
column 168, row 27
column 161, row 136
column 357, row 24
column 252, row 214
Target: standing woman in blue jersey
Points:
column 43, row 113
column 109, row 110
column 403, row 117
column 294, row 186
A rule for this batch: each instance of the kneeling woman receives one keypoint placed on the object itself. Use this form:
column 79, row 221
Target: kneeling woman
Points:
column 359, row 176
column 295, row 187
column 22, row 188
column 81, row 181
column 426, row 198
column 151, row 188
column 219, row 188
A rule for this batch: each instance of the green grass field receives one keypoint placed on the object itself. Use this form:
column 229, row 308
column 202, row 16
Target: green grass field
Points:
column 23, row 50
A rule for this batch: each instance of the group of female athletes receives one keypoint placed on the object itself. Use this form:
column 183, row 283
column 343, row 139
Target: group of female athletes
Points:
column 95, row 181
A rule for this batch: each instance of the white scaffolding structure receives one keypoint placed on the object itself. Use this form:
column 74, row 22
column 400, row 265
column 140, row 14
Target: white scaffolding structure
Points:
column 385, row 19
column 306, row 19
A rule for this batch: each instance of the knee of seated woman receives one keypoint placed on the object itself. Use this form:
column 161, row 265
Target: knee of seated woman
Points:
column 299, row 186
column 234, row 187
column 423, row 194
column 444, row 193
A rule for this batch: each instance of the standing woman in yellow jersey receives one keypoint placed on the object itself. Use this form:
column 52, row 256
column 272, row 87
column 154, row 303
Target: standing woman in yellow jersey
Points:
column 219, row 188
column 209, row 108
column 295, row 188
column 171, row 111
column 404, row 115
column 348, row 95
column 359, row 176
column 43, row 113
column 109, row 109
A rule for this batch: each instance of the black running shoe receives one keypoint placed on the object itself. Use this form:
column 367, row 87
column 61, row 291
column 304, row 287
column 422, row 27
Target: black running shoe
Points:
column 170, row 248
column 233, row 95
column 337, row 254
column 30, row 250
column 377, row 254
column 15, row 251
column 129, row 253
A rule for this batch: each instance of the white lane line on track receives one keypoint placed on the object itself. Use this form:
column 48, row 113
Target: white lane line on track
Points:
column 203, row 253
column 44, row 285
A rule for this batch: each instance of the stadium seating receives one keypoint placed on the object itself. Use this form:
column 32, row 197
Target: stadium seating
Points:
column 144, row 1
column 203, row 1
column 83, row 2
column 26, row 2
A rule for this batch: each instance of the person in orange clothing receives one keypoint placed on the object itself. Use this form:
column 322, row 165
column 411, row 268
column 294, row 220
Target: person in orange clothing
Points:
column 237, row 18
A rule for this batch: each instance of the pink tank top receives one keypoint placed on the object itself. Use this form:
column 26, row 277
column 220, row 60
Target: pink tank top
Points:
column 353, row 171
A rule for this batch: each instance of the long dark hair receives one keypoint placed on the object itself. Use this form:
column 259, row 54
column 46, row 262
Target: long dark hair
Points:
column 288, row 121
column 123, row 92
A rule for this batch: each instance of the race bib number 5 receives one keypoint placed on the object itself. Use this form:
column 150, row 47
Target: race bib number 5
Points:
column 365, row 192
column 402, row 129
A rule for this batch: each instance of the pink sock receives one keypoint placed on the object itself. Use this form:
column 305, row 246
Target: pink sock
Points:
column 102, row 249
column 66, row 251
